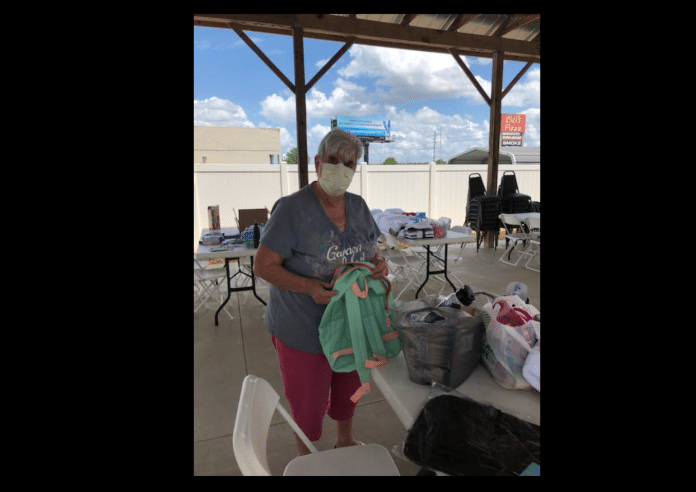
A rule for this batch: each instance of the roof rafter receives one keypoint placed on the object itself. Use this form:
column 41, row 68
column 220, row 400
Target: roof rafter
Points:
column 339, row 28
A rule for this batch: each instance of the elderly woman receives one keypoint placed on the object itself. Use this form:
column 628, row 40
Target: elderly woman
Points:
column 308, row 235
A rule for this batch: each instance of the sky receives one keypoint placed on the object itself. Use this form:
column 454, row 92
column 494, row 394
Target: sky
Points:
column 424, row 95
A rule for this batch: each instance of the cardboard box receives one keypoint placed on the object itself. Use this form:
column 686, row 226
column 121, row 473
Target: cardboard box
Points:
column 248, row 216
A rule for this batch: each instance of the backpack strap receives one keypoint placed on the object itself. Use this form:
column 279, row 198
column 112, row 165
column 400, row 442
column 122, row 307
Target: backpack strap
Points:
column 346, row 351
column 341, row 270
column 376, row 363
column 363, row 337
column 362, row 390
column 362, row 294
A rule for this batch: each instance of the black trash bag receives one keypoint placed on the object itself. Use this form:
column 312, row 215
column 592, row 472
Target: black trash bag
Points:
column 459, row 436
column 466, row 296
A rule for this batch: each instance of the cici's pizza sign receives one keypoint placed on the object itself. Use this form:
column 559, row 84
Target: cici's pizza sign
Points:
column 512, row 123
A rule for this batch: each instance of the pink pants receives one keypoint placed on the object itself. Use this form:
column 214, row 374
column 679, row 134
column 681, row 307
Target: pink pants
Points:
column 313, row 389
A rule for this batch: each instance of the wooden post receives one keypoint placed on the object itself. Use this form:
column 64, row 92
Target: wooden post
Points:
column 494, row 132
column 299, row 88
column 300, row 109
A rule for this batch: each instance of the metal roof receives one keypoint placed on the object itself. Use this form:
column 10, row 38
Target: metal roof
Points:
column 516, row 36
column 508, row 155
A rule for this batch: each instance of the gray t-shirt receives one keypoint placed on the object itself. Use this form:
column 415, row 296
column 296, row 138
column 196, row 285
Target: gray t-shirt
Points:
column 300, row 231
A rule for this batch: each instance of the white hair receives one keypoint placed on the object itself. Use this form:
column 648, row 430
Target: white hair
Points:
column 339, row 140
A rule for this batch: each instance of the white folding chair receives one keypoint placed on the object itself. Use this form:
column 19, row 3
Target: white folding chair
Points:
column 402, row 265
column 510, row 221
column 257, row 403
column 534, row 244
column 206, row 283
column 533, row 223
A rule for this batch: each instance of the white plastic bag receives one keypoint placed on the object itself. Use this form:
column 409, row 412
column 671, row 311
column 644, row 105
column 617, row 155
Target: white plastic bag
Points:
column 511, row 334
column 532, row 367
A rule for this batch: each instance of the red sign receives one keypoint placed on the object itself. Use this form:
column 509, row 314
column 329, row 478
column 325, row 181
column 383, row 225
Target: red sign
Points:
column 512, row 123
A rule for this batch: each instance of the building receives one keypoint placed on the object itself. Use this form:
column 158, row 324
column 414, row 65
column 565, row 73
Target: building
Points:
column 507, row 155
column 235, row 145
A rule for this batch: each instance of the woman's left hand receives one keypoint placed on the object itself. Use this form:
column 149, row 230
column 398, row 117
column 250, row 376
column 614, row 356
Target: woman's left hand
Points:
column 381, row 269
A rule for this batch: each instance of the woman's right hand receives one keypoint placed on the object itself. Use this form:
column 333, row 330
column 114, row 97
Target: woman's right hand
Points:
column 321, row 291
column 268, row 265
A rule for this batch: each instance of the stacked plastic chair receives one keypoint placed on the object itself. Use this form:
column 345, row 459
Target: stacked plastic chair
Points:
column 511, row 200
column 481, row 210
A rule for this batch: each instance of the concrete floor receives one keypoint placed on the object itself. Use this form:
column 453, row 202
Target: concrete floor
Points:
column 223, row 355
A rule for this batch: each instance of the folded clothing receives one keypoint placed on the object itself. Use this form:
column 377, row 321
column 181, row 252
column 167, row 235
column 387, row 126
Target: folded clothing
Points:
column 419, row 230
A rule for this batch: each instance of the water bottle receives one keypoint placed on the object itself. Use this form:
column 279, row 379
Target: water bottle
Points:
column 462, row 297
column 448, row 301
column 257, row 234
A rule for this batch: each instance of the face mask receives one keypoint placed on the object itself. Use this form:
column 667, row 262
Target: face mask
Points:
column 335, row 178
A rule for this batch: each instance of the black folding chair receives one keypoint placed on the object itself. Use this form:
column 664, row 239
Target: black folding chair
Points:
column 481, row 210
column 511, row 200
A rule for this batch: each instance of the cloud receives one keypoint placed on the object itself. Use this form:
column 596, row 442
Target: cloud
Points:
column 222, row 112
column 532, row 134
column 219, row 112
column 384, row 83
column 413, row 141
column 286, row 139
column 277, row 109
column 346, row 98
column 402, row 76
column 527, row 91
column 405, row 75
column 412, row 132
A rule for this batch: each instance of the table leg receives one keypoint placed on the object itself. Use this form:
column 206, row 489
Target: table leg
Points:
column 427, row 269
column 434, row 272
column 229, row 290
column 238, row 289
column 253, row 282
column 446, row 277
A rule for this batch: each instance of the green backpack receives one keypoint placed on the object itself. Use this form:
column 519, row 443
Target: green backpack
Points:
column 358, row 329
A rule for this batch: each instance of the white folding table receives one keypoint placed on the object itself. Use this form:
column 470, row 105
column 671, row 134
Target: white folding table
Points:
column 451, row 237
column 239, row 251
column 407, row 398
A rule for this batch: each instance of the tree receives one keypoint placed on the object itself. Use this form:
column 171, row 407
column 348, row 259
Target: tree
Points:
column 440, row 161
column 389, row 160
column 291, row 157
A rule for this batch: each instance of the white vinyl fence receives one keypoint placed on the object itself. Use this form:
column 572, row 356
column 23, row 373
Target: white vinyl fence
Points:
column 438, row 190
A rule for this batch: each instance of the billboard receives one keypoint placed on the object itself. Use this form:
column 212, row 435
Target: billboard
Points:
column 512, row 140
column 512, row 123
column 512, row 130
column 361, row 127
